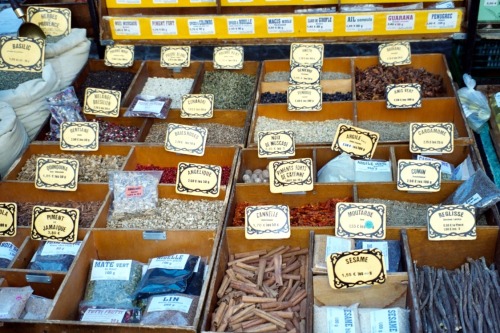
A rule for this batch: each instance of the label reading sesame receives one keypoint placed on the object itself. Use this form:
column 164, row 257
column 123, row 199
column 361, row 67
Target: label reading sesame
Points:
column 241, row 26
column 276, row 143
column 58, row 174
column 175, row 56
column 267, row 222
column 355, row 141
column 79, row 136
column 451, row 222
column 8, row 250
column 229, row 57
column 305, row 98
column 22, row 54
column 104, row 315
column 404, row 96
column 8, row 219
column 119, row 55
column 291, row 175
column 164, row 27
column 319, row 24
column 419, row 176
column 56, row 224
column 170, row 303
column 102, row 102
column 197, row 106
column 198, row 179
column 359, row 23
column 341, row 320
column 354, row 220
column 394, row 54
column 400, row 22
column 185, row 139
column 442, row 20
column 201, row 27
column 53, row 21
column 127, row 27
column 431, row 138
column 279, row 25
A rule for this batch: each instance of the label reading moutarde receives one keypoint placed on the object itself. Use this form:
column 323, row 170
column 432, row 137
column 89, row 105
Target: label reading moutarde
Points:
column 185, row 139
column 204, row 26
column 8, row 250
column 355, row 141
column 57, row 249
column 356, row 268
column 403, row 96
column 279, row 25
column 8, row 219
column 175, row 56
column 319, row 24
column 121, row 56
column 451, row 222
column 104, row 315
column 279, row 143
column 111, row 270
column 197, row 106
column 198, row 179
column 291, row 175
column 355, row 220
column 432, row 138
column 419, row 176
column 359, row 23
column 267, row 222
column 394, row 54
column 127, row 27
column 170, row 303
column 400, row 22
column 79, row 136
column 102, row 102
column 164, row 27
column 241, row 26
column 228, row 57
column 175, row 261
column 305, row 98
column 22, row 54
column 53, row 21
column 59, row 174
column 55, row 224
column 442, row 20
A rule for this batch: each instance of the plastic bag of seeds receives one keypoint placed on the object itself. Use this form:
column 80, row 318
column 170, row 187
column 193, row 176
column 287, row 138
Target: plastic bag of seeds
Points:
column 149, row 107
column 36, row 308
column 170, row 309
column 169, row 274
column 475, row 104
column 64, row 107
column 196, row 284
column 54, row 256
column 13, row 300
column 7, row 252
column 98, row 314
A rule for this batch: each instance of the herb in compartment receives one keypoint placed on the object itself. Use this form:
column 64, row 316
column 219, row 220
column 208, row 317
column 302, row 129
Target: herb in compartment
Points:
column 54, row 256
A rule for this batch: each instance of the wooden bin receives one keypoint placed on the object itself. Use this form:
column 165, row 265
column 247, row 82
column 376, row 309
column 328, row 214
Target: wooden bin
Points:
column 18, row 240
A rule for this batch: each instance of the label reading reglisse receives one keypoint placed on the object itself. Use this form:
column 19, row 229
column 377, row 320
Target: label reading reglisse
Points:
column 185, row 139
column 291, row 175
column 198, row 179
column 22, row 54
column 175, row 56
column 79, row 136
column 55, row 224
column 119, row 55
column 8, row 219
column 305, row 98
column 451, row 222
column 355, row 141
column 57, row 174
column 419, row 176
column 197, row 106
column 432, row 138
column 394, row 54
column 53, row 21
column 267, row 222
column 230, row 57
column 404, row 96
column 354, row 220
column 276, row 143
column 102, row 102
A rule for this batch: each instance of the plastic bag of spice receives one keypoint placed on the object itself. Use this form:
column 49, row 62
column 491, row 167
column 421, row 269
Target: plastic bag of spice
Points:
column 170, row 309
column 54, row 256
column 475, row 104
column 97, row 314
column 7, row 252
column 149, row 107
column 13, row 300
column 64, row 107
column 36, row 308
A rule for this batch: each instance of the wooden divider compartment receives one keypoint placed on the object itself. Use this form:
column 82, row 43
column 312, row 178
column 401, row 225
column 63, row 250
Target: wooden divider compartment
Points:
column 18, row 240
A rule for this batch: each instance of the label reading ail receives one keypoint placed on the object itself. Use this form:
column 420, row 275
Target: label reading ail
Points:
column 197, row 106
column 175, row 56
column 451, row 222
column 102, row 102
column 394, row 54
column 355, row 141
column 305, row 75
column 57, row 174
column 291, row 175
column 53, row 21
column 403, row 96
column 419, row 176
column 198, row 179
column 267, row 222
column 305, row 98
column 8, row 219
column 79, row 136
column 119, row 55
column 319, row 24
column 431, row 138
column 356, row 220
column 306, row 54
column 230, row 57
column 22, row 54
column 276, row 143
column 359, row 23
column 55, row 224
column 185, row 139
column 356, row 268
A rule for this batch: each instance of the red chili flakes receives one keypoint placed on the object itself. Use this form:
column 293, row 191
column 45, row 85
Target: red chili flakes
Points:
column 169, row 175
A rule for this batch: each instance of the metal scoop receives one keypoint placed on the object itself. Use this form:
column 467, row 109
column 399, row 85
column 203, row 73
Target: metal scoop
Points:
column 26, row 29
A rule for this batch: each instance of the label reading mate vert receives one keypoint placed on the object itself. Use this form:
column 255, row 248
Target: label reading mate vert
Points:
column 22, row 54
column 8, row 219
column 175, row 56
column 394, row 54
column 59, row 174
column 355, row 141
column 79, row 136
column 291, row 175
column 432, row 138
column 451, row 222
column 354, row 220
column 403, row 96
column 356, row 268
column 185, row 139
column 276, row 143
column 102, row 102
column 198, row 179
column 197, row 106
column 117, row 270
column 230, row 57
column 267, row 222
column 419, row 176
column 56, row 224
column 119, row 55
column 53, row 21
column 305, row 98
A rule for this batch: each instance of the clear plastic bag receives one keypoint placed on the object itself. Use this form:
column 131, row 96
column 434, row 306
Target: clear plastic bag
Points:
column 149, row 107
column 170, row 309
column 13, row 300
column 474, row 103
column 36, row 308
column 7, row 252
column 64, row 107
column 53, row 256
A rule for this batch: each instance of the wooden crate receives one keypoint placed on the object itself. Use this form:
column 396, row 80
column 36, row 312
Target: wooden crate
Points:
column 18, row 240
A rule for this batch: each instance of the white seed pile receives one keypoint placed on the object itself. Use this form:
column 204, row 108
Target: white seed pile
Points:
column 389, row 131
column 256, row 176
column 305, row 131
column 280, row 76
column 168, row 87
column 217, row 133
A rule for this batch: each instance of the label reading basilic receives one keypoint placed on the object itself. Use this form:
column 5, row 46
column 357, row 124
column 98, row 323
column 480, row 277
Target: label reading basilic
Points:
column 267, row 222
column 419, row 176
column 102, row 102
column 404, row 96
column 451, row 222
column 198, row 179
column 276, row 143
column 56, row 224
column 57, row 174
column 119, row 55
column 185, row 139
column 431, row 138
column 79, row 136
column 305, row 98
column 175, row 56
column 354, row 220
column 394, row 54
column 53, row 21
column 230, row 57
column 291, row 175
column 355, row 141
column 22, row 54
column 8, row 219
column 197, row 106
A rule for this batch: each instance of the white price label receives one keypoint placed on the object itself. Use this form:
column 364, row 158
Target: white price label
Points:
column 239, row 1
column 279, row 25
column 241, row 26
column 149, row 106
column 382, row 246
column 490, row 3
column 319, row 24
column 127, row 27
column 7, row 250
column 201, row 27
column 359, row 23
column 176, row 261
column 442, row 21
column 473, row 200
column 400, row 22
column 165, row 1
column 497, row 99
column 104, row 315
column 111, row 270
column 372, row 166
column 336, row 245
column 56, row 248
column 128, row 2
column 164, row 27
column 170, row 303
column 202, row 1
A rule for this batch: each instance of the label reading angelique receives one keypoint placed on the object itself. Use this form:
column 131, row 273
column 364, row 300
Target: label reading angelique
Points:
column 102, row 102
column 355, row 141
column 22, row 54
column 394, row 54
column 53, row 21
column 57, row 174
column 8, row 219
column 55, row 224
column 119, row 55
column 305, row 98
column 267, row 222
column 279, row 143
column 228, row 57
column 198, row 179
column 355, row 220
column 432, row 138
column 185, row 139
column 419, row 176
column 291, row 175
column 403, row 96
column 175, row 56
column 79, row 136
column 451, row 222
column 197, row 106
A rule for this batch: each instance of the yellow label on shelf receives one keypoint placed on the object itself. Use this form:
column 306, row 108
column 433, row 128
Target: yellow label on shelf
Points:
column 432, row 138
column 22, row 54
column 404, row 96
column 187, row 140
column 198, row 179
column 59, row 174
column 355, row 141
column 419, row 176
column 79, row 136
column 197, row 106
column 8, row 219
column 119, row 55
column 394, row 54
column 244, row 26
column 355, row 220
column 267, row 222
column 280, row 143
column 159, row 3
column 229, row 57
column 305, row 98
column 102, row 102
column 175, row 56
column 53, row 21
column 291, row 175
column 451, row 222
column 55, row 224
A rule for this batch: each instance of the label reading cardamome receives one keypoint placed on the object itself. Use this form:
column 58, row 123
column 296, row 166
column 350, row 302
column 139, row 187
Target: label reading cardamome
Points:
column 305, row 98
column 22, row 54
column 403, row 96
column 53, row 21
column 102, row 102
column 198, row 179
column 197, row 106
column 394, row 54
column 432, row 138
column 305, row 75
column 8, row 219
column 230, row 57
column 355, row 141
column 79, row 136
column 119, row 55
column 267, row 222
column 356, row 268
column 451, row 222
column 276, row 143
column 419, row 176
column 59, row 174
column 185, row 139
column 291, row 175
column 175, row 56
column 355, row 220
column 56, row 224
column 306, row 54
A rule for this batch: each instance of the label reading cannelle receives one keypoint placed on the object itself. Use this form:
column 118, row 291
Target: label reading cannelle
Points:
column 267, row 222
column 53, row 21
column 403, row 96
column 197, row 106
column 306, row 54
column 451, row 222
column 118, row 270
column 432, row 138
column 241, row 26
column 305, row 98
column 170, row 303
column 305, row 75
column 201, row 27
column 279, row 25
column 22, row 54
column 394, row 54
column 127, row 27
column 57, row 224
column 175, row 56
column 442, row 20
column 102, row 102
column 291, row 175
column 104, row 315
column 419, row 176
column 319, row 24
column 276, row 143
column 121, row 56
column 79, row 136
column 198, row 179
column 164, row 27
column 185, row 139
column 400, row 22
column 359, row 23
column 355, row 141
column 356, row 268
column 59, row 174
column 8, row 219
column 354, row 220
column 229, row 57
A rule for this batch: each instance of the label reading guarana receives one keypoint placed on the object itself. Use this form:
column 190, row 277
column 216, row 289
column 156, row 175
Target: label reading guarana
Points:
column 53, row 21
column 8, row 219
column 198, row 179
column 102, row 102
column 400, row 22
column 55, row 224
column 22, row 54
column 59, row 174
column 403, row 96
column 118, row 270
column 355, row 220
column 279, row 143
column 432, row 138
column 355, row 141
column 119, row 55
column 170, row 303
column 228, row 57
column 185, row 139
column 451, row 222
column 79, row 136
column 305, row 98
column 175, row 56
column 197, row 106
column 291, row 175
column 267, row 222
column 419, row 176
column 394, row 54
